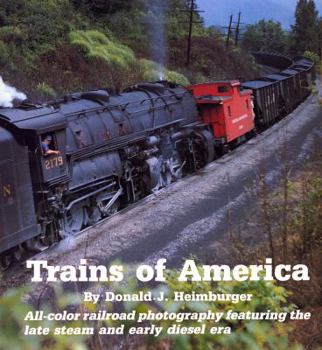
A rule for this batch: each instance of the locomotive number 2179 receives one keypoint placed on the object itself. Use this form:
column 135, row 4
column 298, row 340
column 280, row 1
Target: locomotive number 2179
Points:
column 54, row 162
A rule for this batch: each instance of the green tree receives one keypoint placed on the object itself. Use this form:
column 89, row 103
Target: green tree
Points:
column 305, row 32
column 103, row 7
column 265, row 35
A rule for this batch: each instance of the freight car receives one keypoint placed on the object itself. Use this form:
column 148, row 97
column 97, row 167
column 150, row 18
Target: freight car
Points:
column 67, row 164
column 276, row 95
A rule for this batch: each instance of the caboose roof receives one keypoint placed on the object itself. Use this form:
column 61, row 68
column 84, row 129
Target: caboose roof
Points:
column 221, row 82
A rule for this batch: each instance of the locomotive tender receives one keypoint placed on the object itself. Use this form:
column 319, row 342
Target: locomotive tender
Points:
column 114, row 149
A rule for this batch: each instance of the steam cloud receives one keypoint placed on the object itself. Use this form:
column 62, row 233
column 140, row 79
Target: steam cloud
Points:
column 9, row 94
column 158, row 40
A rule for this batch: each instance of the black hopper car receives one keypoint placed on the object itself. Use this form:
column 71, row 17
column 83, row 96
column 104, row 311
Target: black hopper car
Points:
column 68, row 164
column 276, row 95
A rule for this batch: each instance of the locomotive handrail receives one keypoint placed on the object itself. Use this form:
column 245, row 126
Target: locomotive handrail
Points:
column 153, row 108
column 158, row 97
column 166, row 106
column 179, row 98
column 126, row 114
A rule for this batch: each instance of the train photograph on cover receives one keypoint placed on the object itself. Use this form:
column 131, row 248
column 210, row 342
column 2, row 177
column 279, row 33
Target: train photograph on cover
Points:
column 68, row 163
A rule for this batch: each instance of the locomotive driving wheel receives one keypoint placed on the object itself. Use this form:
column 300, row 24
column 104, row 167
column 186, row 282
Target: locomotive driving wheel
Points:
column 74, row 220
column 171, row 171
column 203, row 149
column 108, row 203
column 94, row 214
column 160, row 173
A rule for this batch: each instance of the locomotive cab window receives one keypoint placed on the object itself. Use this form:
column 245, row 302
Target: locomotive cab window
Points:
column 53, row 158
column 49, row 145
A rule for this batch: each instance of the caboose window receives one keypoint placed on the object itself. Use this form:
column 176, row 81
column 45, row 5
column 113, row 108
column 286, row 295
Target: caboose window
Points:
column 229, row 111
column 223, row 88
column 247, row 104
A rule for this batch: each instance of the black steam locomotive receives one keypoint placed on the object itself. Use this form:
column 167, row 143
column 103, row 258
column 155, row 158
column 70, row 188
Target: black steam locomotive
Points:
column 105, row 151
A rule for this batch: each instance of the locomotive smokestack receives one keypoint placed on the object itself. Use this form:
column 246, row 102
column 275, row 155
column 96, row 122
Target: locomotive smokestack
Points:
column 9, row 94
column 158, row 41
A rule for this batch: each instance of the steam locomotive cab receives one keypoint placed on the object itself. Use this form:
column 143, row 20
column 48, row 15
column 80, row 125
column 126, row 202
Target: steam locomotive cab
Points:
column 54, row 166
column 29, row 124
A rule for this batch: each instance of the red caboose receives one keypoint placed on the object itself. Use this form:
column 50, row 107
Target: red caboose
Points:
column 227, row 108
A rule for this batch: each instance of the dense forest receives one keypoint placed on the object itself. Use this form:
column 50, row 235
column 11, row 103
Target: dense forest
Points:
column 305, row 34
column 50, row 47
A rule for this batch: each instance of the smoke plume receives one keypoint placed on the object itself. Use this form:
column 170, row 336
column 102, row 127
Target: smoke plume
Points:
column 9, row 94
column 158, row 40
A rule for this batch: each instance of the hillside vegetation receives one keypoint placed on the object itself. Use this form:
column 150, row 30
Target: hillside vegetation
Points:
column 51, row 47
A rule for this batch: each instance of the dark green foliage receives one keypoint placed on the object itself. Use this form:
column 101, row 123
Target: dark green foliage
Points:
column 312, row 56
column 265, row 35
column 248, row 335
column 48, row 22
column 305, row 32
column 128, row 27
column 12, row 324
column 104, row 7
